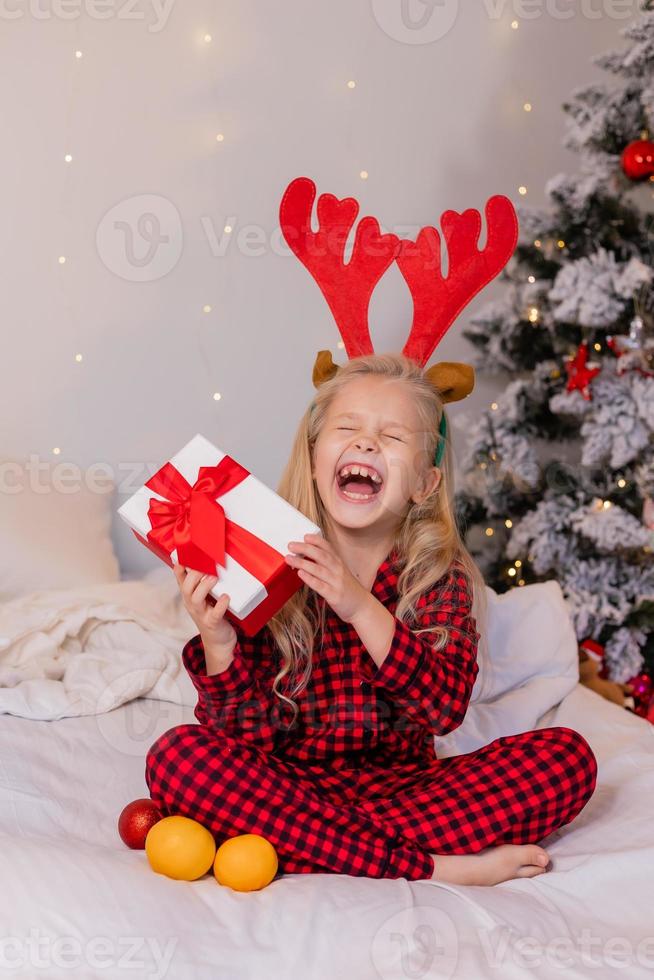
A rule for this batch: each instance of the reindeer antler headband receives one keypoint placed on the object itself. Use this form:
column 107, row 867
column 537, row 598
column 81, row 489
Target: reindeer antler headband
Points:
column 437, row 299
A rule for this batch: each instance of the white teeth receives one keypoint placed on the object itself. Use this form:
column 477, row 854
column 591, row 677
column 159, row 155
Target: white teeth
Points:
column 355, row 470
column 357, row 496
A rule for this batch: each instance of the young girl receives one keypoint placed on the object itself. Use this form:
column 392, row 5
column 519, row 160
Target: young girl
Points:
column 318, row 732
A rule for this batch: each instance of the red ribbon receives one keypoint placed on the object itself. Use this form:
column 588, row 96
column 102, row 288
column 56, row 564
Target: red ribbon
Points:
column 191, row 520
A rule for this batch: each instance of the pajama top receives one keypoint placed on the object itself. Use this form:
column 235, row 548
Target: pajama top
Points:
column 353, row 714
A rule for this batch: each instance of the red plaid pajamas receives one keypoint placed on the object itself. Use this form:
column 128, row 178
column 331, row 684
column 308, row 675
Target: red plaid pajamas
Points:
column 355, row 787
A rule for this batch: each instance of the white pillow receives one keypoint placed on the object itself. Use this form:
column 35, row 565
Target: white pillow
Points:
column 528, row 662
column 53, row 539
column 529, row 633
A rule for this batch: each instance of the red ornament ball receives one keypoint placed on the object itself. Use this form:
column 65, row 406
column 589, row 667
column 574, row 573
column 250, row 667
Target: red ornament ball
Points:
column 637, row 159
column 136, row 820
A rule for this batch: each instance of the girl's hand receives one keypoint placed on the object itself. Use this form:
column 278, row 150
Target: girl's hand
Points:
column 320, row 567
column 207, row 613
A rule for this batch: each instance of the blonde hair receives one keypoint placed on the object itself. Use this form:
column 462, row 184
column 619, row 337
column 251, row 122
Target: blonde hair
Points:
column 427, row 540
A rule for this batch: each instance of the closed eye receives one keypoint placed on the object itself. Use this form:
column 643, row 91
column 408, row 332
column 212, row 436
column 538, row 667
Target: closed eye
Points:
column 347, row 428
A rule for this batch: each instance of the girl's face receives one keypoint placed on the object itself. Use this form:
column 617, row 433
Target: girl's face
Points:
column 369, row 459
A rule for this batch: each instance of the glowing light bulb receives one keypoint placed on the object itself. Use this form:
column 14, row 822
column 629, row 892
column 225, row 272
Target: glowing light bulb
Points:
column 78, row 54
column 351, row 84
column 537, row 243
column 56, row 450
column 522, row 189
column 521, row 581
column 517, row 563
column 68, row 158
column 489, row 532
column 622, row 482
column 363, row 175
column 561, row 243
column 206, row 309
column 62, row 259
column 508, row 523
column 220, row 137
column 208, row 38
column 533, row 314
column 531, row 278
column 527, row 107
column 482, row 466
column 217, row 396
column 512, row 571
column 494, row 406
column 606, row 504
column 597, row 346
column 78, row 358
column 228, row 229
column 515, row 25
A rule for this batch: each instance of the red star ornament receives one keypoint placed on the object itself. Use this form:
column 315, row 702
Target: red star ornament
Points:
column 579, row 373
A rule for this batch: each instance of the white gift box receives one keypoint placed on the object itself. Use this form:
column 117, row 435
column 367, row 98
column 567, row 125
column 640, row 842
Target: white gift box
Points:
column 258, row 526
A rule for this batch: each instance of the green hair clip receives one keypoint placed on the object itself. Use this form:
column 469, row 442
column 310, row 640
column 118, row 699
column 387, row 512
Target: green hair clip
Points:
column 442, row 434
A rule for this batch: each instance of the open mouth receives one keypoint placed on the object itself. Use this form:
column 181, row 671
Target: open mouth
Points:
column 359, row 483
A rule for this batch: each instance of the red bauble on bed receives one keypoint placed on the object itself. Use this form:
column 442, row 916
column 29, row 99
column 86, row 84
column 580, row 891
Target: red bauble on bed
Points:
column 136, row 820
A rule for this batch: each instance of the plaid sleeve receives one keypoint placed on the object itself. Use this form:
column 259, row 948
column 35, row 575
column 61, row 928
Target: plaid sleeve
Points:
column 433, row 687
column 235, row 702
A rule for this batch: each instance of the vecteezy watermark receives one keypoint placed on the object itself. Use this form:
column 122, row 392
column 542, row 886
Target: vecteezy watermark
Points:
column 42, row 476
column 587, row 949
column 155, row 12
column 422, row 942
column 417, row 943
column 141, row 238
column 39, row 952
column 426, row 21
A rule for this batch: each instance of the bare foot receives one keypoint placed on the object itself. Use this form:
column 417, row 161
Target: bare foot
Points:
column 492, row 865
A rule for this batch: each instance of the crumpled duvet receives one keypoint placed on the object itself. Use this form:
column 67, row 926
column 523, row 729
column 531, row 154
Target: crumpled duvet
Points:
column 84, row 651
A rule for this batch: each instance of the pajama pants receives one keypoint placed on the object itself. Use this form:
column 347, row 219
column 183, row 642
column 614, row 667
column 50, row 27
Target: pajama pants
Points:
column 371, row 822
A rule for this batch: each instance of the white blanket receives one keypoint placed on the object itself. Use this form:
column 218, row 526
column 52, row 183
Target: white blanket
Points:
column 85, row 651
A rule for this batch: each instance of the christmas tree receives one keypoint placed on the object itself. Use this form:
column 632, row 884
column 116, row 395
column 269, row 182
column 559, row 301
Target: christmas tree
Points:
column 558, row 477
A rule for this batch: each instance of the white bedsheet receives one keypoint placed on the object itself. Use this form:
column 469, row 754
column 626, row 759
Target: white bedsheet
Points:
column 76, row 902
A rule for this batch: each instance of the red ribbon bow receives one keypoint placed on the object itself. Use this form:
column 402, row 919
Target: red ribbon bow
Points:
column 191, row 521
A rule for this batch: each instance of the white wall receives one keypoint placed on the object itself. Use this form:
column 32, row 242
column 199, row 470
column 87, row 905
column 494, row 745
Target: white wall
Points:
column 437, row 125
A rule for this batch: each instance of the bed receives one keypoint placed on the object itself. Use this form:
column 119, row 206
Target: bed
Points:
column 91, row 675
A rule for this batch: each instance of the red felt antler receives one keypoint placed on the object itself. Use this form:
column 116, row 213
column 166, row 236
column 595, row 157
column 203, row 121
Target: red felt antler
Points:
column 438, row 300
column 347, row 288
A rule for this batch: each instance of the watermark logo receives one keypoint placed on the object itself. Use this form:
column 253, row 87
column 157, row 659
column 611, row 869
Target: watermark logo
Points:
column 417, row 943
column 141, row 238
column 416, row 21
